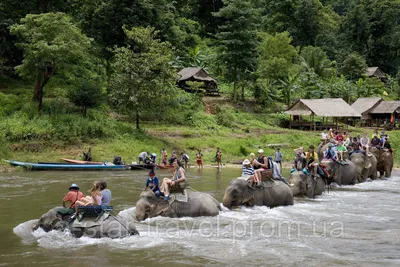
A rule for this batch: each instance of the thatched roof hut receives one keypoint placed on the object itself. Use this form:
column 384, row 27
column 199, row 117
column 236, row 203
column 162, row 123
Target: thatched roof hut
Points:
column 375, row 72
column 386, row 107
column 326, row 107
column 365, row 104
column 196, row 74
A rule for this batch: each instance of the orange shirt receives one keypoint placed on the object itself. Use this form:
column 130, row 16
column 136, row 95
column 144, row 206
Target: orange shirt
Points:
column 71, row 197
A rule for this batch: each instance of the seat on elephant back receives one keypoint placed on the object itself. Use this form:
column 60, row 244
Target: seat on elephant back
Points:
column 95, row 211
column 266, row 175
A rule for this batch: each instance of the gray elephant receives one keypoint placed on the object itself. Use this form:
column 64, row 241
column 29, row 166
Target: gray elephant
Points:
column 384, row 158
column 195, row 204
column 365, row 165
column 105, row 225
column 344, row 173
column 306, row 185
column 274, row 193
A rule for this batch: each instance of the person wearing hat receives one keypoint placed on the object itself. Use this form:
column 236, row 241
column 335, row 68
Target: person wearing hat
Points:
column 330, row 153
column 263, row 160
column 249, row 174
column 72, row 196
column 152, row 183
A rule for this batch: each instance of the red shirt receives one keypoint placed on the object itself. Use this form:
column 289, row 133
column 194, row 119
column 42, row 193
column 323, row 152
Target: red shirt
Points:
column 339, row 137
column 71, row 197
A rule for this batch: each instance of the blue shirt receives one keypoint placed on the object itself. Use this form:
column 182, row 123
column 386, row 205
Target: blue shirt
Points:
column 247, row 171
column 153, row 182
column 278, row 156
column 105, row 197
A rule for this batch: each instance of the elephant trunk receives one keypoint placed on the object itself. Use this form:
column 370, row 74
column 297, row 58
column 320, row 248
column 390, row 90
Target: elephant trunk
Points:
column 227, row 201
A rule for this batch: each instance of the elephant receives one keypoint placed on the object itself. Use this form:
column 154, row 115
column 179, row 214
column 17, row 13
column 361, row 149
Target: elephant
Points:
column 344, row 173
column 197, row 204
column 274, row 193
column 384, row 158
column 365, row 165
column 302, row 184
column 105, row 226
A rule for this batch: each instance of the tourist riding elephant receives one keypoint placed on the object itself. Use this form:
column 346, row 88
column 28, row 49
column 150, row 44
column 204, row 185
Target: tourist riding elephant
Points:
column 343, row 173
column 197, row 204
column 384, row 158
column 302, row 184
column 274, row 193
column 322, row 148
column 105, row 226
column 365, row 165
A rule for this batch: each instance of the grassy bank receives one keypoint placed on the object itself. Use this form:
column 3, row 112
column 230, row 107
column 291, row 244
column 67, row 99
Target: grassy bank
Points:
column 61, row 131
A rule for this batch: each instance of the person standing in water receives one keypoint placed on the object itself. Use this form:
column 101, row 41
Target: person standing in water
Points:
column 218, row 158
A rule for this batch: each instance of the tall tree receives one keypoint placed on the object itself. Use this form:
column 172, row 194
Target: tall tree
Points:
column 53, row 46
column 142, row 75
column 314, row 60
column 237, row 39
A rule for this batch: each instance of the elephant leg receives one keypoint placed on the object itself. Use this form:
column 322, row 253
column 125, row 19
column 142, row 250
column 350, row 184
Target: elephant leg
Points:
column 388, row 172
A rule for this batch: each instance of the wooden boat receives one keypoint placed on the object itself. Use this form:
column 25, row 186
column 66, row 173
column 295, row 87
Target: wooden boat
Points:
column 39, row 166
column 142, row 166
column 81, row 161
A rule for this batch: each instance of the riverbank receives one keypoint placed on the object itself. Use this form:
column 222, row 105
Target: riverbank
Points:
column 236, row 145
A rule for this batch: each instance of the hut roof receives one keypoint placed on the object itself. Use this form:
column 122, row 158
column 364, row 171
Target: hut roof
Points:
column 386, row 107
column 365, row 104
column 196, row 73
column 374, row 71
column 327, row 107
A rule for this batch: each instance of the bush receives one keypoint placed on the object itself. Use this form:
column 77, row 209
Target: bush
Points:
column 225, row 116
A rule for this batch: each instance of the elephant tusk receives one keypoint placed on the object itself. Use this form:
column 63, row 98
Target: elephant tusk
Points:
column 291, row 185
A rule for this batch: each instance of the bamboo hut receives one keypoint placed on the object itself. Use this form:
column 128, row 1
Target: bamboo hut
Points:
column 387, row 113
column 327, row 108
column 196, row 74
column 364, row 106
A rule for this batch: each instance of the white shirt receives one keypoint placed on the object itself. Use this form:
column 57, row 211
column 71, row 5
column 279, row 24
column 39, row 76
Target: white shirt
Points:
column 143, row 155
column 324, row 136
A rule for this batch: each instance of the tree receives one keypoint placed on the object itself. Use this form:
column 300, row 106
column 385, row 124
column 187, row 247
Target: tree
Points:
column 53, row 46
column 353, row 67
column 277, row 56
column 313, row 59
column 143, row 77
column 237, row 39
column 86, row 95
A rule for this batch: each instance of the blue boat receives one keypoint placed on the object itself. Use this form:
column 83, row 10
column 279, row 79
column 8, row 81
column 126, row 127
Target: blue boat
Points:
column 66, row 167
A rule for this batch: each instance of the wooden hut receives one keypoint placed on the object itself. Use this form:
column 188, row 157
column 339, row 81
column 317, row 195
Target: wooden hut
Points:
column 387, row 113
column 196, row 74
column 364, row 105
column 327, row 108
column 375, row 72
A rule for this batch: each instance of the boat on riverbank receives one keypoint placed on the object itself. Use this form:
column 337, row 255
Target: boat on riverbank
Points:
column 81, row 161
column 65, row 167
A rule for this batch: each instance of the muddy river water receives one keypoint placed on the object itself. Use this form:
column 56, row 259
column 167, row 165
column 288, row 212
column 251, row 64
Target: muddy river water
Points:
column 349, row 226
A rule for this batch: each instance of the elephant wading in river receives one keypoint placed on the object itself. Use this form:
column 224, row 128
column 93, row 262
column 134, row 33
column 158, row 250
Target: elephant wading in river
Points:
column 305, row 185
column 274, row 193
column 385, row 161
column 104, row 226
column 365, row 165
column 341, row 173
column 196, row 204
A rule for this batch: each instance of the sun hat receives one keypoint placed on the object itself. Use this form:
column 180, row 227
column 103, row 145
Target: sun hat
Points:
column 299, row 150
column 260, row 151
column 246, row 162
column 74, row 186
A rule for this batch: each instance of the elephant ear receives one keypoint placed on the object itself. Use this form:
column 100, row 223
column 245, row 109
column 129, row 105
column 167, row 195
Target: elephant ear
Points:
column 248, row 196
column 367, row 162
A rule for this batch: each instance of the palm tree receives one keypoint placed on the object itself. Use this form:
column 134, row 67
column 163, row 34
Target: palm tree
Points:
column 314, row 60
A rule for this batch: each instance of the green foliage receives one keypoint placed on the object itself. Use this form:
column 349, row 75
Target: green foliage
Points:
column 143, row 78
column 225, row 116
column 53, row 46
column 314, row 60
column 353, row 67
column 9, row 104
column 237, row 40
column 86, row 95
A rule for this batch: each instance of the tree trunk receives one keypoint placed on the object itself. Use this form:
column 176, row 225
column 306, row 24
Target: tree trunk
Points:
column 243, row 90
column 137, row 119
column 234, row 92
column 38, row 92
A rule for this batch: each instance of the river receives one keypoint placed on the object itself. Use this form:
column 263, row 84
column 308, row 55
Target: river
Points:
column 349, row 226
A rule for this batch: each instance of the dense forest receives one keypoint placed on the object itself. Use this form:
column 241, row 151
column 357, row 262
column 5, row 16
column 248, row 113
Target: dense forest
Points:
column 125, row 54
